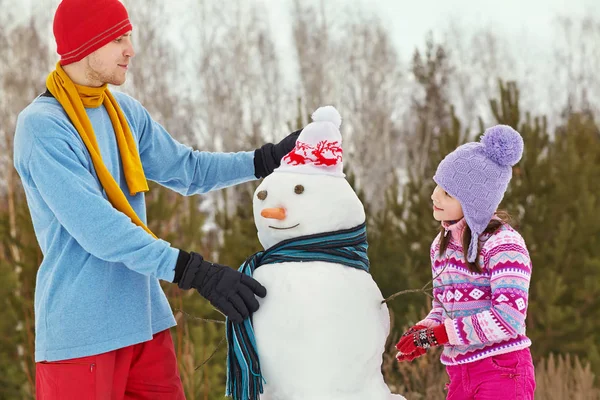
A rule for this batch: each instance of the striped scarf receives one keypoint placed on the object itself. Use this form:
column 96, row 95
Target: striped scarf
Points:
column 347, row 247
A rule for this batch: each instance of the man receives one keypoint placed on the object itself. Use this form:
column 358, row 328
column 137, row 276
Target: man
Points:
column 84, row 154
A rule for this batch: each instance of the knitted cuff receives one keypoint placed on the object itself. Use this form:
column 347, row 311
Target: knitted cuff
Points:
column 190, row 270
column 182, row 260
column 428, row 323
column 453, row 337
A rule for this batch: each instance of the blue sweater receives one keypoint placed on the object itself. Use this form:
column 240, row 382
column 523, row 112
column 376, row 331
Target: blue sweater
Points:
column 97, row 288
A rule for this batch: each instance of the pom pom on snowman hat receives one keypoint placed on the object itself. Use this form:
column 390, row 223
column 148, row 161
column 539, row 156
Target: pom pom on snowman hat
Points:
column 327, row 114
column 503, row 145
column 318, row 150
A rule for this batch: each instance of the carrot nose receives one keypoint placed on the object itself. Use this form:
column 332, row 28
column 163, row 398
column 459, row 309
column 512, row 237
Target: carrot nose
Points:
column 275, row 213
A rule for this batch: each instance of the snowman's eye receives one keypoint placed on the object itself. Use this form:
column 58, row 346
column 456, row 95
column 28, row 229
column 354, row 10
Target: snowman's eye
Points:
column 299, row 189
column 262, row 195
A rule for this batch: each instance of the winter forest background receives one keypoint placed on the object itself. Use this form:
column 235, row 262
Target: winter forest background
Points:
column 221, row 85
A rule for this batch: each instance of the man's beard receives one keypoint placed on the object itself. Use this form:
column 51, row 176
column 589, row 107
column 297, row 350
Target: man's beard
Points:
column 97, row 76
column 111, row 79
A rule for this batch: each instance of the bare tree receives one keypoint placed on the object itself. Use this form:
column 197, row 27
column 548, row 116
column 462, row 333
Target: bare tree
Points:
column 431, row 70
column 351, row 62
column 238, row 75
column 577, row 56
column 24, row 62
column 316, row 52
column 481, row 58
column 158, row 77
column 371, row 86
column 553, row 80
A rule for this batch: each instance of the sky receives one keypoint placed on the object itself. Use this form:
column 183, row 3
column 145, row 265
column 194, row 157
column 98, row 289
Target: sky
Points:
column 410, row 20
column 524, row 21
column 527, row 27
column 525, row 24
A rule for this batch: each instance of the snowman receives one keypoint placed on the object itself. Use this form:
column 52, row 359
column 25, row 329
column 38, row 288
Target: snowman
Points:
column 321, row 330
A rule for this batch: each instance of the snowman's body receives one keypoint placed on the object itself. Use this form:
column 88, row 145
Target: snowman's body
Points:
column 322, row 328
column 321, row 332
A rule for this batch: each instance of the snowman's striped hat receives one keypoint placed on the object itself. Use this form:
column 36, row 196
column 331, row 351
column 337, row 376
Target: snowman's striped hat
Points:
column 318, row 149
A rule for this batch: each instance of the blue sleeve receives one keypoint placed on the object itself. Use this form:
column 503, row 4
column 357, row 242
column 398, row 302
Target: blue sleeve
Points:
column 183, row 169
column 57, row 170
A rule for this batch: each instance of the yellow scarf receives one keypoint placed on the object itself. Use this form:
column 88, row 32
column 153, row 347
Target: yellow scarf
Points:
column 74, row 98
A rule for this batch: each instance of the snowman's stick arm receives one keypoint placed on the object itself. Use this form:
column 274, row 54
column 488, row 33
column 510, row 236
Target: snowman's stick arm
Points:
column 217, row 321
column 400, row 293
column 425, row 290
column 188, row 316
column 211, row 355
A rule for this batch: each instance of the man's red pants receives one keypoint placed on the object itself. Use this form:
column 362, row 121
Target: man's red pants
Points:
column 142, row 371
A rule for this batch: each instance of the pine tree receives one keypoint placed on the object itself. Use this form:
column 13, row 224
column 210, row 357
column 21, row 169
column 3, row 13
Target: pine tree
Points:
column 554, row 196
column 181, row 221
column 404, row 229
column 16, row 291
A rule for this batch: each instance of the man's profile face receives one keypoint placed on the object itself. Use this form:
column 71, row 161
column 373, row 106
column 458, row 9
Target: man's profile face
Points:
column 109, row 64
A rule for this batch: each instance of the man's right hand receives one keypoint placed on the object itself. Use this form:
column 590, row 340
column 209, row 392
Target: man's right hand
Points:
column 228, row 290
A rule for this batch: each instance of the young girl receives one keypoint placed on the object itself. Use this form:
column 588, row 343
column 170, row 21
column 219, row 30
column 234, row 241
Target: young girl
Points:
column 481, row 271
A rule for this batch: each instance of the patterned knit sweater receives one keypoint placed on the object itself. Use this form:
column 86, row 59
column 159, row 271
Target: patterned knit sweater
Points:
column 484, row 313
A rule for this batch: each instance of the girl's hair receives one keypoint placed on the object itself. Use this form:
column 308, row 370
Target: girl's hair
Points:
column 466, row 237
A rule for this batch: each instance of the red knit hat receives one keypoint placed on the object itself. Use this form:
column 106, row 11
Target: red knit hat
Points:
column 83, row 26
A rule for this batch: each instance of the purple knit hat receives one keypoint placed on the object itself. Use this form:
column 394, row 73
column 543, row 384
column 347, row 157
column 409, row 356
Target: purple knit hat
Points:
column 477, row 175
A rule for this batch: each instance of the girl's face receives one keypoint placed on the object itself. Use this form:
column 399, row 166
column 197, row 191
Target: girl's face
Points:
column 445, row 207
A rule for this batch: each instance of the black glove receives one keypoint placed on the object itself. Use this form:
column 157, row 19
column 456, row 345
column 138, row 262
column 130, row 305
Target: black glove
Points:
column 269, row 156
column 228, row 290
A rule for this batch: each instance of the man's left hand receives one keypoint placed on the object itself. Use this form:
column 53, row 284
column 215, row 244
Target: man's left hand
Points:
column 269, row 156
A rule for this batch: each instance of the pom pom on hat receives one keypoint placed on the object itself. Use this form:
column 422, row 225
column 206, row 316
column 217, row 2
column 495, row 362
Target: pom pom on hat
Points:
column 503, row 145
column 327, row 114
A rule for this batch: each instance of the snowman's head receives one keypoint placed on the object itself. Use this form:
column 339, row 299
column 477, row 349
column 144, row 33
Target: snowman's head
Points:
column 288, row 205
column 308, row 193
